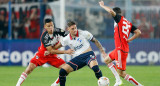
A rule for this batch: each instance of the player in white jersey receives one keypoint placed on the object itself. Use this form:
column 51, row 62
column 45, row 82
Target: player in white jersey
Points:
column 78, row 40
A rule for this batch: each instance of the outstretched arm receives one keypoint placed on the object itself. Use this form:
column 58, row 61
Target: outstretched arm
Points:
column 108, row 9
column 52, row 50
column 98, row 44
column 137, row 33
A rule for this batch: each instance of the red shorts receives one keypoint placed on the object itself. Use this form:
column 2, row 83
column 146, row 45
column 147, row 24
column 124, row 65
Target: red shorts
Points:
column 40, row 59
column 120, row 57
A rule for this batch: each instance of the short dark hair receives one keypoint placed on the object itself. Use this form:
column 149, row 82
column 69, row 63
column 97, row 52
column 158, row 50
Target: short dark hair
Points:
column 70, row 23
column 117, row 10
column 47, row 20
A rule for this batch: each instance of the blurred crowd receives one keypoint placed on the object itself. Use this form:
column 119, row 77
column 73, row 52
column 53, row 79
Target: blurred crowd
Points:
column 24, row 24
column 146, row 2
column 116, row 2
column 148, row 22
column 24, row 1
column 87, row 16
column 100, row 23
column 94, row 2
column 26, row 27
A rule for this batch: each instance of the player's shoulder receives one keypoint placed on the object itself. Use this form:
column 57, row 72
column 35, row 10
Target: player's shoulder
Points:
column 80, row 31
column 124, row 19
column 66, row 38
column 83, row 31
column 44, row 35
column 58, row 30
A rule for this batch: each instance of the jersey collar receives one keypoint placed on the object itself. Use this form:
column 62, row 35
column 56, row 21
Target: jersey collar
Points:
column 76, row 35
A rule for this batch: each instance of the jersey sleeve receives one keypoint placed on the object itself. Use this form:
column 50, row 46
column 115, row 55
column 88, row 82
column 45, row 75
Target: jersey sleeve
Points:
column 45, row 41
column 117, row 18
column 63, row 41
column 133, row 29
column 87, row 35
column 60, row 32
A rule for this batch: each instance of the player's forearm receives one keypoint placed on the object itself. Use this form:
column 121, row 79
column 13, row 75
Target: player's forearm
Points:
column 57, row 46
column 98, row 44
column 57, row 52
column 108, row 9
column 136, row 34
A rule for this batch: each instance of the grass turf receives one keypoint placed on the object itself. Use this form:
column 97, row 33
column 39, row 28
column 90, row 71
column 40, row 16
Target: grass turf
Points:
column 147, row 75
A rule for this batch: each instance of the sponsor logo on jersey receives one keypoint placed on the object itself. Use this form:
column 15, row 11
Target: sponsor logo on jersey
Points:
column 78, row 47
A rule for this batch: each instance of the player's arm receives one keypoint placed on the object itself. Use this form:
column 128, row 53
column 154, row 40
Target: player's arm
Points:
column 108, row 9
column 98, row 44
column 59, row 45
column 136, row 32
column 90, row 37
column 52, row 50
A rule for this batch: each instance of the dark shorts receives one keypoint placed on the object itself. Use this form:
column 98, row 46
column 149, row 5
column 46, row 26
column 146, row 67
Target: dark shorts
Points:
column 82, row 60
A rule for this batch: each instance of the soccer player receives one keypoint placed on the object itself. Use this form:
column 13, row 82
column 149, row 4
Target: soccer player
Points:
column 122, row 30
column 83, row 55
column 49, row 38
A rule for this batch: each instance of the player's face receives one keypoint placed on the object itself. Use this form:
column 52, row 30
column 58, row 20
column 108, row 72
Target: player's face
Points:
column 49, row 27
column 73, row 30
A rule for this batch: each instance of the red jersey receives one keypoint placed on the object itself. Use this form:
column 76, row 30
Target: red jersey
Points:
column 122, row 29
column 50, row 40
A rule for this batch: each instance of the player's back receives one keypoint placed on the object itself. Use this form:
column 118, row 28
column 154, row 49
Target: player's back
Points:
column 122, row 29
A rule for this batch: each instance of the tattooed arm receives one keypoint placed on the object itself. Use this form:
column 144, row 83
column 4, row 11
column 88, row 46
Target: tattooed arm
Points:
column 98, row 44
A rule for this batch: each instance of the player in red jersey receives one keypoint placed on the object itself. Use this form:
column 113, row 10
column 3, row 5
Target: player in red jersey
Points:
column 121, row 34
column 49, row 38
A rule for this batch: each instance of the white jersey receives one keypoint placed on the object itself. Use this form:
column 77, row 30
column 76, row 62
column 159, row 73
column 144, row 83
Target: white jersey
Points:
column 80, row 43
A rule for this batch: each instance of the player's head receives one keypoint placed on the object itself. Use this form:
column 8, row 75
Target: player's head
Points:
column 117, row 10
column 48, row 25
column 72, row 28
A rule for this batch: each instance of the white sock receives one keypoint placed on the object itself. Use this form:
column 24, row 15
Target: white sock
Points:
column 114, row 71
column 132, row 80
column 57, row 81
column 21, row 79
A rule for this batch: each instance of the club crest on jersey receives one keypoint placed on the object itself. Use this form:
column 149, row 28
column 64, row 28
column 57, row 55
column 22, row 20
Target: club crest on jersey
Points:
column 37, row 57
column 79, row 40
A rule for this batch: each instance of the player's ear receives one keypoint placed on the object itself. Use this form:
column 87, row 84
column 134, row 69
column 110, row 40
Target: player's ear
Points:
column 67, row 28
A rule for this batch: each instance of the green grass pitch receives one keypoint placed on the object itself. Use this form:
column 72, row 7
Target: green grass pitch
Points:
column 147, row 75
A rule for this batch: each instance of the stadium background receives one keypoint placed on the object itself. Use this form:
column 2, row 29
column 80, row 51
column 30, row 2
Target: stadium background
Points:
column 21, row 24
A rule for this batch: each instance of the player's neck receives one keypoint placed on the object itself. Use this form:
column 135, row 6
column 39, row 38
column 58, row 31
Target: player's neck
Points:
column 50, row 32
column 73, row 36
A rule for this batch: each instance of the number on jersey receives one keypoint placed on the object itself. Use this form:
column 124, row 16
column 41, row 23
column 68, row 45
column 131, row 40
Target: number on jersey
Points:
column 125, row 28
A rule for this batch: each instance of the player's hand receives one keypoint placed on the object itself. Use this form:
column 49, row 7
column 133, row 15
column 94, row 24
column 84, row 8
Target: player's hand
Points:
column 128, row 41
column 69, row 51
column 46, row 53
column 101, row 3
